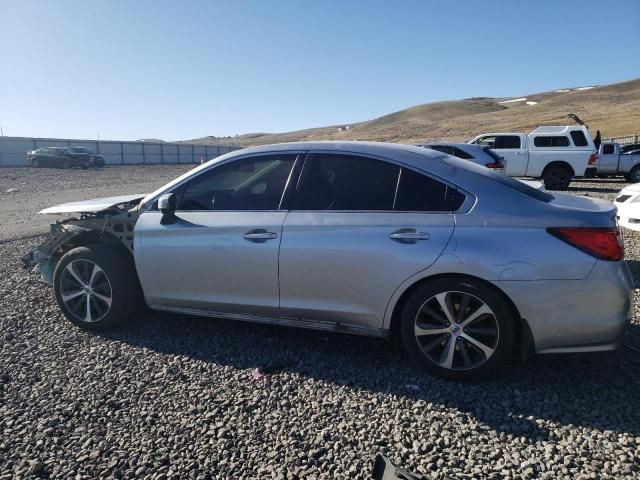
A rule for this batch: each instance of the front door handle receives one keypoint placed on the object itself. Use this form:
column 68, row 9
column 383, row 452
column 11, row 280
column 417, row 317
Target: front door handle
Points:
column 408, row 235
column 259, row 235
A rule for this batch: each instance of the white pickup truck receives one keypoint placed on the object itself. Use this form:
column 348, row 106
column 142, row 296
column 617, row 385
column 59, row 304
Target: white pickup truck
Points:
column 555, row 153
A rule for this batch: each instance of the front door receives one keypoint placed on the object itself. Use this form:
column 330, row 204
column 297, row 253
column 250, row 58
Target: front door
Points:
column 510, row 148
column 358, row 228
column 608, row 159
column 221, row 252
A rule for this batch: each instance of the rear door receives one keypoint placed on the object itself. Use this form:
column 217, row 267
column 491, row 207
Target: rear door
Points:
column 358, row 227
column 511, row 148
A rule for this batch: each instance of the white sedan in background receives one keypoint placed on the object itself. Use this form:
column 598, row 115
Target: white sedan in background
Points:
column 628, row 203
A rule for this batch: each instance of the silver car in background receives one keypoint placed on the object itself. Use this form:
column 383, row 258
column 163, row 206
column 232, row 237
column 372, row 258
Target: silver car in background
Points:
column 468, row 267
column 479, row 154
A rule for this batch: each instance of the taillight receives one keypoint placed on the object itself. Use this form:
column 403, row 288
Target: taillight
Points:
column 592, row 159
column 494, row 165
column 603, row 243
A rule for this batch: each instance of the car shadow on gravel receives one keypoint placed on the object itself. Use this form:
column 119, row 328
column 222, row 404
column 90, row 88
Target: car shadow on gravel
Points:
column 594, row 391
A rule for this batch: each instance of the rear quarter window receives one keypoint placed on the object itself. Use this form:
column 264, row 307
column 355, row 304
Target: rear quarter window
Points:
column 421, row 193
column 579, row 139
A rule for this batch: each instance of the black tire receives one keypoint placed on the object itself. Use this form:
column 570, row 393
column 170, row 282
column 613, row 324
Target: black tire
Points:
column 423, row 348
column 634, row 175
column 121, row 286
column 99, row 162
column 36, row 163
column 84, row 166
column 65, row 164
column 557, row 177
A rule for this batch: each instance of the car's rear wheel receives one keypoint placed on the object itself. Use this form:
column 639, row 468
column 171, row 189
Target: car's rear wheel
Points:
column 634, row 175
column 458, row 328
column 36, row 163
column 65, row 163
column 96, row 287
column 557, row 177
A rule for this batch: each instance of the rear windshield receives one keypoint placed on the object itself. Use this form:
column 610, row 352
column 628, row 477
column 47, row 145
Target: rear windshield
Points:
column 521, row 187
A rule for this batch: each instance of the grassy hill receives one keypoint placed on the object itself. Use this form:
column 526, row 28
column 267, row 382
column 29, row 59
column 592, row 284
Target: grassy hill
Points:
column 613, row 109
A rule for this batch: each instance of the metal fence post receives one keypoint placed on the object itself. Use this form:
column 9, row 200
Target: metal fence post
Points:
column 144, row 156
column 122, row 153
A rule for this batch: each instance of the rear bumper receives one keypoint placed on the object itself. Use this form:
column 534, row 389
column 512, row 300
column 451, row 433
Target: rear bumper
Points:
column 576, row 315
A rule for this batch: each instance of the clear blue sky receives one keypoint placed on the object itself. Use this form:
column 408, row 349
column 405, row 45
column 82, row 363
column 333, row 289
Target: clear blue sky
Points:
column 185, row 69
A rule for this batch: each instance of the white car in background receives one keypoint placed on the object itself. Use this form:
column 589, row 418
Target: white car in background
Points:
column 628, row 203
column 555, row 154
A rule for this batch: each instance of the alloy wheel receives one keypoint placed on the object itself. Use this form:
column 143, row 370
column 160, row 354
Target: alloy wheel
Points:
column 456, row 330
column 85, row 290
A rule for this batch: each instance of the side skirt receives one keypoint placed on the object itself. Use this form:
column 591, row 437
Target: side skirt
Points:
column 283, row 321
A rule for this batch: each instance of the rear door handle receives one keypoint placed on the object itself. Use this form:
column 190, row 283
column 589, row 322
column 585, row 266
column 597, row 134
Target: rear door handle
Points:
column 259, row 235
column 408, row 235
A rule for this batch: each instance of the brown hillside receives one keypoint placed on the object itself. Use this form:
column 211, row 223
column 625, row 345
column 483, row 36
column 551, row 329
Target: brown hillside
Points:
column 613, row 109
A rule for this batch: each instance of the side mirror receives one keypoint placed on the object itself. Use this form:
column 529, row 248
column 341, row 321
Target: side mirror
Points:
column 167, row 205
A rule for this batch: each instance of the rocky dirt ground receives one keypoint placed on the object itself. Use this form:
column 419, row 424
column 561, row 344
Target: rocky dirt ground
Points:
column 174, row 397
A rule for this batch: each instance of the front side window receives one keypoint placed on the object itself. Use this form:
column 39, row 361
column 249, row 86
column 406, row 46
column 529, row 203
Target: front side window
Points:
column 486, row 141
column 507, row 141
column 250, row 184
column 346, row 182
column 559, row 141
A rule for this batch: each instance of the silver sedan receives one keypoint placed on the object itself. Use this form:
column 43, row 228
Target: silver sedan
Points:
column 469, row 268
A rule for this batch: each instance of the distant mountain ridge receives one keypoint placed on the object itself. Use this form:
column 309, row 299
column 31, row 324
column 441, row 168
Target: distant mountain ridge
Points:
column 613, row 109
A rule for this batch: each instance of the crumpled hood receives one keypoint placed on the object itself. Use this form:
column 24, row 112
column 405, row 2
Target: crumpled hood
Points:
column 92, row 206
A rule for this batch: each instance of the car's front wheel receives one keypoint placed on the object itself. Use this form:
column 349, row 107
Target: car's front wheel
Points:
column 458, row 328
column 96, row 287
column 65, row 163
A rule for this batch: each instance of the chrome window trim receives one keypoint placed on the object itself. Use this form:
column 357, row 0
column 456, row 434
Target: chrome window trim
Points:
column 467, row 205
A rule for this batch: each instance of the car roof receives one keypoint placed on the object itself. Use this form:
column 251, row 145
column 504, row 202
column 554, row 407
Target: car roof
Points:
column 459, row 145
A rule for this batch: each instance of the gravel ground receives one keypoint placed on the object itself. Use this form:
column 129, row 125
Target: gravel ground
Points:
column 174, row 397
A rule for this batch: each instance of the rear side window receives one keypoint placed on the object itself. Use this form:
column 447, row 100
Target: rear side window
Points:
column 507, row 141
column 450, row 150
column 579, row 140
column 457, row 152
column 608, row 149
column 346, row 182
column 442, row 148
column 558, row 141
column 420, row 193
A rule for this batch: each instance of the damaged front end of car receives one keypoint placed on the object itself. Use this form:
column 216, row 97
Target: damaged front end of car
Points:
column 104, row 221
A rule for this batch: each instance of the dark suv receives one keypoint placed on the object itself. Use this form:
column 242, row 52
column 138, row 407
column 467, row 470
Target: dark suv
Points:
column 65, row 157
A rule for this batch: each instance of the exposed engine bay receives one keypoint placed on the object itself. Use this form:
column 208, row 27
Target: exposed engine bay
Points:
column 106, row 220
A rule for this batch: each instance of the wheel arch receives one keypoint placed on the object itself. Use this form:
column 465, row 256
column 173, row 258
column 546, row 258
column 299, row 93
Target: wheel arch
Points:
column 524, row 344
column 89, row 238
